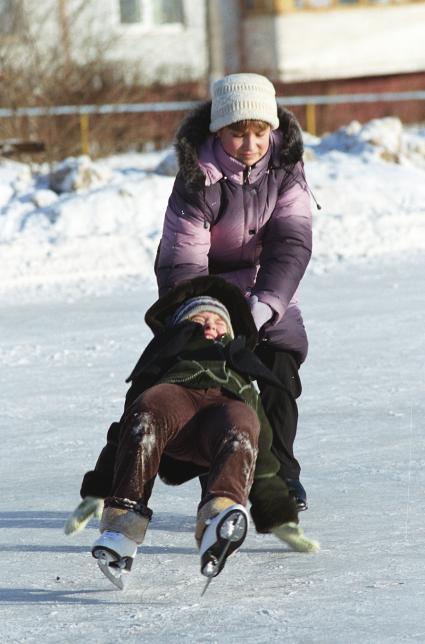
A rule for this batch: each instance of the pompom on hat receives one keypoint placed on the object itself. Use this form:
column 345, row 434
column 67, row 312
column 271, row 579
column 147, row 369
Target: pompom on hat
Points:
column 195, row 305
column 241, row 97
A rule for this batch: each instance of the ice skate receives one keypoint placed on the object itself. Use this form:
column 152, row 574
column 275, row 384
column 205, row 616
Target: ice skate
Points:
column 224, row 534
column 115, row 554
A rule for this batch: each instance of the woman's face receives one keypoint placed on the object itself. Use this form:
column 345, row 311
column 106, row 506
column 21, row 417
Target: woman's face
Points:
column 248, row 146
column 214, row 325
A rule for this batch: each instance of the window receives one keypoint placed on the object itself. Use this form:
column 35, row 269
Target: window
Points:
column 168, row 11
column 130, row 11
column 151, row 12
column 11, row 17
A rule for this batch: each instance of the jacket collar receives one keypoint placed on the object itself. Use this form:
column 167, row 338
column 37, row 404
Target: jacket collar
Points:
column 159, row 314
column 216, row 164
column 196, row 154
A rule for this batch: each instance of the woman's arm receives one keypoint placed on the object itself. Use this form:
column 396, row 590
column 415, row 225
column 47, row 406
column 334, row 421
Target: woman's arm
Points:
column 185, row 242
column 287, row 245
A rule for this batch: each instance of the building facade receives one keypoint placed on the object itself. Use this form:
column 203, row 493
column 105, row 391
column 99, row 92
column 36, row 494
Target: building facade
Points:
column 305, row 46
column 146, row 41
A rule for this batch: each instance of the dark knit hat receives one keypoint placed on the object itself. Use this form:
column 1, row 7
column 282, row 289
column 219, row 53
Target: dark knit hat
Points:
column 195, row 305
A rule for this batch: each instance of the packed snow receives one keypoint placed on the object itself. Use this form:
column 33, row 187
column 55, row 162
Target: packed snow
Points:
column 77, row 245
column 81, row 226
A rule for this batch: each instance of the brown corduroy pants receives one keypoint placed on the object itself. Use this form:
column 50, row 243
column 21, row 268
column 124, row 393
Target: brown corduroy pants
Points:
column 207, row 427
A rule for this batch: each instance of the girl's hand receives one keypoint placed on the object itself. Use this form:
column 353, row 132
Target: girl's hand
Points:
column 90, row 507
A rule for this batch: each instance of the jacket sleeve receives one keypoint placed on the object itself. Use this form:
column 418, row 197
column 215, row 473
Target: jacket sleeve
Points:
column 287, row 245
column 266, row 464
column 98, row 482
column 271, row 504
column 185, row 242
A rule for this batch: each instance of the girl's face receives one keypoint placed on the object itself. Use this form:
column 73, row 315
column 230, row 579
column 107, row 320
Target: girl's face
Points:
column 249, row 145
column 214, row 325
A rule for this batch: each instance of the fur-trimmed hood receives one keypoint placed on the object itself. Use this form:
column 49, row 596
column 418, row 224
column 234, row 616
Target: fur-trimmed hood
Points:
column 194, row 132
column 158, row 315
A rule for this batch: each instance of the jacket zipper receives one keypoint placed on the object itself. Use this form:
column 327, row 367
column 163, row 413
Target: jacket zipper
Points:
column 247, row 174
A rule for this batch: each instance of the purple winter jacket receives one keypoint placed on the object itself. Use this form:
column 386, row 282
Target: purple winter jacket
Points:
column 251, row 226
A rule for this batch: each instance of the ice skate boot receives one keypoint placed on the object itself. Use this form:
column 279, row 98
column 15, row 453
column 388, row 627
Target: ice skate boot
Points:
column 223, row 535
column 115, row 554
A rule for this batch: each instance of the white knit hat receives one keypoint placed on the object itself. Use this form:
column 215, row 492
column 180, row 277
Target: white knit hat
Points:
column 241, row 97
column 202, row 303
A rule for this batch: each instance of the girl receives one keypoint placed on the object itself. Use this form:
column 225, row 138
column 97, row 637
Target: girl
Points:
column 191, row 409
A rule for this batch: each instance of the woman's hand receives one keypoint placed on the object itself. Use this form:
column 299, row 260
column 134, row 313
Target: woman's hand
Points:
column 261, row 312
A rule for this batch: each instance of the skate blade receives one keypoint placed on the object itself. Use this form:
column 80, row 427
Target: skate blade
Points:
column 116, row 575
column 118, row 581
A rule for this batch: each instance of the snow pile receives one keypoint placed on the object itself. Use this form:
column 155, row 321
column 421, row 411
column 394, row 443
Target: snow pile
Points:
column 168, row 166
column 82, row 225
column 77, row 174
column 414, row 146
column 108, row 227
column 384, row 139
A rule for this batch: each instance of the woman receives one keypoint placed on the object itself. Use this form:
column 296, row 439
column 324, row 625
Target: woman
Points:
column 240, row 208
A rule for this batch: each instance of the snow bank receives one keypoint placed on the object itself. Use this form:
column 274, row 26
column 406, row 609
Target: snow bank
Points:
column 81, row 226
column 378, row 139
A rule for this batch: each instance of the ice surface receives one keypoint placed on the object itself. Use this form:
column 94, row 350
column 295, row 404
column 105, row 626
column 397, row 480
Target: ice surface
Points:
column 76, row 278
column 360, row 442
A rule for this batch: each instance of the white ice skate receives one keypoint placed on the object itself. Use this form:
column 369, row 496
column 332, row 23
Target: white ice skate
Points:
column 115, row 554
column 223, row 535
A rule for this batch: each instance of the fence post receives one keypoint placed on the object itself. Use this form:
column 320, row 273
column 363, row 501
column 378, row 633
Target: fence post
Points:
column 84, row 134
column 310, row 110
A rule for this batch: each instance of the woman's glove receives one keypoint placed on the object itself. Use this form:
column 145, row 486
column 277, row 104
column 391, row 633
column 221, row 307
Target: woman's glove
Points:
column 90, row 507
column 294, row 536
column 261, row 312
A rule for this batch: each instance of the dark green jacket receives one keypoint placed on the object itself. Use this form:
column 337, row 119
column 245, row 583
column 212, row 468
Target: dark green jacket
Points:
column 195, row 369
